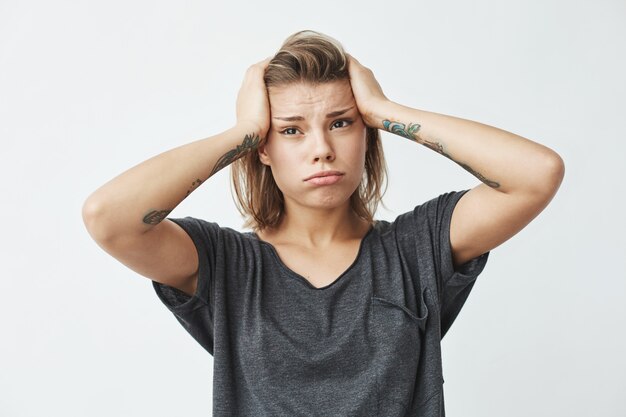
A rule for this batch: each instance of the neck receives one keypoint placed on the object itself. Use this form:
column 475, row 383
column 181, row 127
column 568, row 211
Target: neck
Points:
column 317, row 228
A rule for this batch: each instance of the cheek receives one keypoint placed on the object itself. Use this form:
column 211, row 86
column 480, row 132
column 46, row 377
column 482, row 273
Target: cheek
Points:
column 282, row 158
column 357, row 150
column 275, row 150
column 284, row 164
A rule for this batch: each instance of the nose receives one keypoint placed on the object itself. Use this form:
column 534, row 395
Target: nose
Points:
column 323, row 150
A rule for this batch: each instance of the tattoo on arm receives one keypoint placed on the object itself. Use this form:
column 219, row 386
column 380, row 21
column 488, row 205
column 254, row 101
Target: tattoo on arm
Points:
column 400, row 129
column 411, row 133
column 155, row 216
column 492, row 184
column 194, row 185
column 249, row 142
column 438, row 147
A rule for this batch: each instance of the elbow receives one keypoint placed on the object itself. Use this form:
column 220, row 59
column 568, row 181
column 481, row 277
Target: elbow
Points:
column 551, row 171
column 91, row 214
column 555, row 170
column 540, row 177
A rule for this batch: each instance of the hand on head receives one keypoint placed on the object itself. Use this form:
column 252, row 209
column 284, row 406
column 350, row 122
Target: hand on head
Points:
column 253, row 108
column 366, row 90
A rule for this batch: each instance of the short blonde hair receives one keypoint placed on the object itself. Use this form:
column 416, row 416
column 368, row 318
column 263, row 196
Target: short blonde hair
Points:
column 311, row 57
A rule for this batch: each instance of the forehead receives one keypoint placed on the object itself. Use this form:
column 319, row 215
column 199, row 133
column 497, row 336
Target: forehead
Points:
column 302, row 98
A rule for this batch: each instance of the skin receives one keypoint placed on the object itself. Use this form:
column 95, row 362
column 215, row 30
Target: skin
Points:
column 517, row 180
column 518, row 177
column 316, row 216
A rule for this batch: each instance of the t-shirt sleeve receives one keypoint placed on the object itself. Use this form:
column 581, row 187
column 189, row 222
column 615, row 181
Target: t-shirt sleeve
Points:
column 429, row 223
column 195, row 313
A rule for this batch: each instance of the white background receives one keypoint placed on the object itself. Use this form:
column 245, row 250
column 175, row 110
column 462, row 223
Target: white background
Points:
column 90, row 89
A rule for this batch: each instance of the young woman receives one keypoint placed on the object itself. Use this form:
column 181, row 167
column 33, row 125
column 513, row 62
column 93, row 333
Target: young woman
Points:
column 320, row 309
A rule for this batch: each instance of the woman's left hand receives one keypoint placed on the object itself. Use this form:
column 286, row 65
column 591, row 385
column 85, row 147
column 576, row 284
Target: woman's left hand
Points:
column 367, row 92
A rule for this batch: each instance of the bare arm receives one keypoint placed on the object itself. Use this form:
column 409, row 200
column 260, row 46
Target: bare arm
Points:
column 519, row 177
column 127, row 215
column 501, row 160
column 141, row 197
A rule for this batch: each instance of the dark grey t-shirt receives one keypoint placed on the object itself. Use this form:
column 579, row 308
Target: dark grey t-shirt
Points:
column 366, row 345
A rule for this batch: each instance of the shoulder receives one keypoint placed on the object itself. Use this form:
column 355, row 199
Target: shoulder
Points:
column 209, row 234
column 425, row 217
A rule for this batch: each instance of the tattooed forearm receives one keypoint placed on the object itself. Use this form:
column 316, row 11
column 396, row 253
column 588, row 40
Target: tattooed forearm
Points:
column 480, row 176
column 411, row 133
column 400, row 129
column 249, row 142
column 155, row 216
column 194, row 185
column 438, row 147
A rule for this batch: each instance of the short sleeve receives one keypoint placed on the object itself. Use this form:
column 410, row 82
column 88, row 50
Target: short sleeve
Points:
column 430, row 225
column 195, row 313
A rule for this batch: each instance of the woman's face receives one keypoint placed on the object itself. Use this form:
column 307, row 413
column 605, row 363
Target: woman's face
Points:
column 308, row 136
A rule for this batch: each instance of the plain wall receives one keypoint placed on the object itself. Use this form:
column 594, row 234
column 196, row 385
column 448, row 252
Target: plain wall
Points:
column 90, row 89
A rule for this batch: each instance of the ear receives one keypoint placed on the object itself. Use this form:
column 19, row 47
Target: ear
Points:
column 263, row 156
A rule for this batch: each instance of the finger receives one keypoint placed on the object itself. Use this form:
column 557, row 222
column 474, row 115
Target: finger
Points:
column 353, row 59
column 263, row 64
column 354, row 66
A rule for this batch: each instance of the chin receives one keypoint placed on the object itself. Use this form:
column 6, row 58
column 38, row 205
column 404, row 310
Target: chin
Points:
column 323, row 198
column 328, row 200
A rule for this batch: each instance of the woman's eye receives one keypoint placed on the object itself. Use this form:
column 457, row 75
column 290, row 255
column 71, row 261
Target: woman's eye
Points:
column 285, row 132
column 347, row 123
column 290, row 131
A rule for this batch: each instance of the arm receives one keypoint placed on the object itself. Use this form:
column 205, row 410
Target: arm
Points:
column 126, row 215
column 137, row 200
column 519, row 177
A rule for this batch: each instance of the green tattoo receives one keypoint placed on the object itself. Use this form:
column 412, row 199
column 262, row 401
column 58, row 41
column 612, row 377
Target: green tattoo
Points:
column 400, row 129
column 249, row 142
column 411, row 133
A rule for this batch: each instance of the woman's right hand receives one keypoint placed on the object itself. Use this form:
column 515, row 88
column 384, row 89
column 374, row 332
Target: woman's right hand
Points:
column 253, row 107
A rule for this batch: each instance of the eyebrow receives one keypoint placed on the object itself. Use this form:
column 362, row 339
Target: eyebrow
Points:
column 299, row 118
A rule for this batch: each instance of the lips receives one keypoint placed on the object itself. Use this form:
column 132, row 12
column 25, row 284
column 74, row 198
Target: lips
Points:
column 324, row 174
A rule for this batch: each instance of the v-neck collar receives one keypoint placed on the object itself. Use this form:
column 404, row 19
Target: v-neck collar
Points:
column 296, row 275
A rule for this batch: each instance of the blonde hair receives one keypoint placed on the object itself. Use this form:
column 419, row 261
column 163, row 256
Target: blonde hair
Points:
column 311, row 57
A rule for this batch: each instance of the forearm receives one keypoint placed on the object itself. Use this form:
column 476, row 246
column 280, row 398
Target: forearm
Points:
column 502, row 160
column 141, row 197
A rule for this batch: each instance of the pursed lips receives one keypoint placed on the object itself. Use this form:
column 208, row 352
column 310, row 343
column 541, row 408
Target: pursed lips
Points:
column 324, row 174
